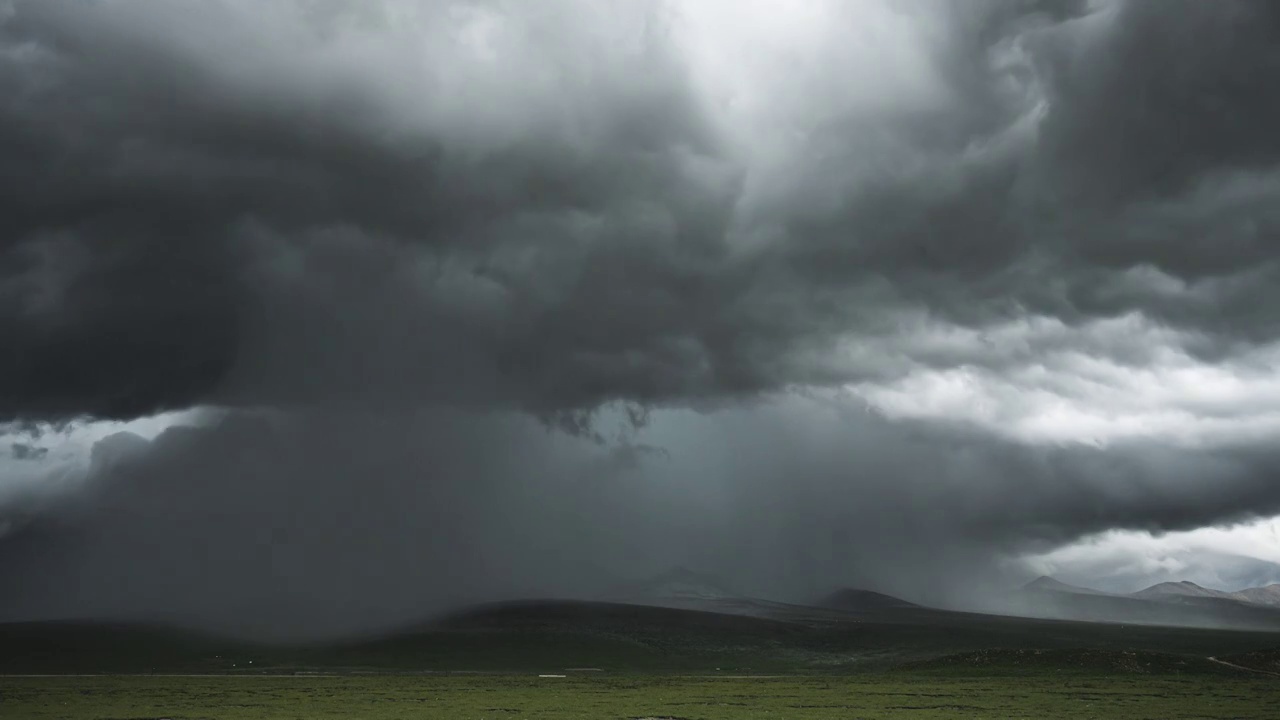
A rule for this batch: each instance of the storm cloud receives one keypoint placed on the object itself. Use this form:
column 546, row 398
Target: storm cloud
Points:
column 471, row 285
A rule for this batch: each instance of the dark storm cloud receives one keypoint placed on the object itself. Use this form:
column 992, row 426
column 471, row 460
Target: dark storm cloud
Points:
column 340, row 218
column 304, row 204
column 162, row 198
column 1082, row 149
column 23, row 451
column 1157, row 97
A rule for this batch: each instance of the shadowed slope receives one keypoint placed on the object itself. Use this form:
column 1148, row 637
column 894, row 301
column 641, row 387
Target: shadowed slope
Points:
column 555, row 636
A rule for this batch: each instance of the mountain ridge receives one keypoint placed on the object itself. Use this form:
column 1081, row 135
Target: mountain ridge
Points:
column 1263, row 596
column 1046, row 583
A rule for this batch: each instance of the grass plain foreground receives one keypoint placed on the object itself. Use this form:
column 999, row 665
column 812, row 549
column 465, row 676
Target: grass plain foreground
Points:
column 644, row 662
column 600, row 697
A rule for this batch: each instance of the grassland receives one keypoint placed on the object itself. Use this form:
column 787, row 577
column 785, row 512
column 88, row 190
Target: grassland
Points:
column 623, row 661
column 507, row 697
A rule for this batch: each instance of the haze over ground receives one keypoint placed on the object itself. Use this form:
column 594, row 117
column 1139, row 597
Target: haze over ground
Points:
column 321, row 315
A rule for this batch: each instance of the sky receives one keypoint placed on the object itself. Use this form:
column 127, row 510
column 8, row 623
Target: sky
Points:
column 323, row 315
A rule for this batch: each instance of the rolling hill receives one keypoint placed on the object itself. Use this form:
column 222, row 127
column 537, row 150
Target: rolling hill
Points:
column 1269, row 595
column 1181, row 589
column 560, row 635
column 855, row 600
column 683, row 621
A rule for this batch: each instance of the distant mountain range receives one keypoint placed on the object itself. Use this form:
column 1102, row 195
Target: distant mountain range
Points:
column 1268, row 596
column 1167, row 603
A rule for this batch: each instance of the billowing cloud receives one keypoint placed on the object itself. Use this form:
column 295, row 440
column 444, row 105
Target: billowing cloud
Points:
column 205, row 200
column 1036, row 236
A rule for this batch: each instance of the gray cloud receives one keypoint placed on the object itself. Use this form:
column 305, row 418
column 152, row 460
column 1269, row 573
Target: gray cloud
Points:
column 387, row 234
column 23, row 451
column 205, row 201
column 1153, row 98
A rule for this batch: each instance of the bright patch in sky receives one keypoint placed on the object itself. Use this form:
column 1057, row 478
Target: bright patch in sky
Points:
column 56, row 459
column 1223, row 558
column 1053, row 390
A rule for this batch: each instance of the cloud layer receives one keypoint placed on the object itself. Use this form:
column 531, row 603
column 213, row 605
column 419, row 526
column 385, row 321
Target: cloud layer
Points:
column 320, row 203
column 402, row 229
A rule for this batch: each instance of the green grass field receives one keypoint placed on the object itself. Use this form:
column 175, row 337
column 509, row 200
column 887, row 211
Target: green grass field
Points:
column 648, row 662
column 1037, row 695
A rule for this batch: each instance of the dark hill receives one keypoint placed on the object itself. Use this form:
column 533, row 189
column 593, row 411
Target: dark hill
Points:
column 555, row 635
column 590, row 616
column 1044, row 583
column 855, row 600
